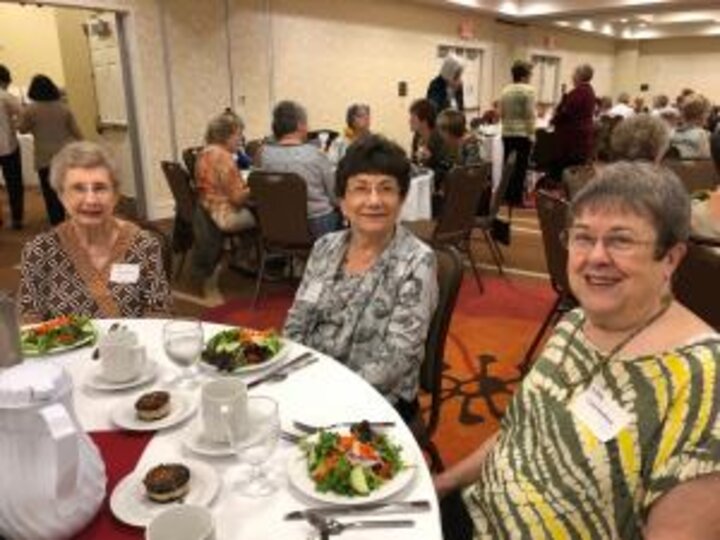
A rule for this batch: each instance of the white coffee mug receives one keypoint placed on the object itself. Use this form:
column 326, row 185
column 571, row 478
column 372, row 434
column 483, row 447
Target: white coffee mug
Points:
column 224, row 410
column 121, row 362
column 183, row 522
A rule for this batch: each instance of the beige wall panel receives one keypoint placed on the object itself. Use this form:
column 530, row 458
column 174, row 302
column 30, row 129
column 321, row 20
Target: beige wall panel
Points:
column 29, row 43
column 198, row 59
column 627, row 60
column 669, row 65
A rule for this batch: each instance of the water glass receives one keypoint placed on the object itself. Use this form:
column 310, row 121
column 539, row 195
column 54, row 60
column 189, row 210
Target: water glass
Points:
column 183, row 341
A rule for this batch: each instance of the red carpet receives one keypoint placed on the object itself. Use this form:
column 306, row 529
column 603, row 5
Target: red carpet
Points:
column 488, row 337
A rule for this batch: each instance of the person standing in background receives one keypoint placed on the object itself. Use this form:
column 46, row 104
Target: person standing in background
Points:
column 10, row 161
column 446, row 90
column 517, row 114
column 53, row 125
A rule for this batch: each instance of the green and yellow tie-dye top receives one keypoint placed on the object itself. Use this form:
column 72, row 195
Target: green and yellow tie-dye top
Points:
column 548, row 476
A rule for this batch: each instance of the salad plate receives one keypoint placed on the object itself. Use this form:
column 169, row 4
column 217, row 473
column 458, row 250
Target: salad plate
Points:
column 348, row 471
column 182, row 407
column 97, row 382
column 130, row 504
column 241, row 350
column 57, row 335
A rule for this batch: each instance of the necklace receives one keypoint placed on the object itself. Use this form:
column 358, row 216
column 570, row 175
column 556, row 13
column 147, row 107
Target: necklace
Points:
column 604, row 360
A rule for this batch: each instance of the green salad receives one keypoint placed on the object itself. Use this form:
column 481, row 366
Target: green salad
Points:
column 237, row 348
column 352, row 464
column 57, row 334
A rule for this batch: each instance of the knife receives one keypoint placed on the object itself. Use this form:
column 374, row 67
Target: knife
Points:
column 361, row 509
column 270, row 374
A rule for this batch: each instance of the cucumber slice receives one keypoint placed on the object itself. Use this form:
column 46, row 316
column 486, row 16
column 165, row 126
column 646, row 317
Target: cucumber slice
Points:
column 358, row 480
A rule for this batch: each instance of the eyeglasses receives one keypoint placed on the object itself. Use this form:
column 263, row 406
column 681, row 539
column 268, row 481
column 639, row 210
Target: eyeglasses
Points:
column 615, row 244
column 364, row 191
column 99, row 190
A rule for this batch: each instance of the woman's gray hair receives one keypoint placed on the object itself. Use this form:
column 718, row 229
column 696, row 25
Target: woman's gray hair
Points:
column 695, row 108
column 222, row 127
column 584, row 72
column 287, row 117
column 82, row 155
column 640, row 137
column 650, row 191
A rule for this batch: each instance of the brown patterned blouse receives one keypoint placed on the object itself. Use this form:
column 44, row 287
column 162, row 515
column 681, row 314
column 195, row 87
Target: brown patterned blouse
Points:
column 58, row 278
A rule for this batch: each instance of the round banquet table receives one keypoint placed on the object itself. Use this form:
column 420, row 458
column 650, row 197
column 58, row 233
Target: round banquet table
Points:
column 318, row 394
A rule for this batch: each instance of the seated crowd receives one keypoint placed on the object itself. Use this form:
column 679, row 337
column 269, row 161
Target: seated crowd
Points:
column 615, row 431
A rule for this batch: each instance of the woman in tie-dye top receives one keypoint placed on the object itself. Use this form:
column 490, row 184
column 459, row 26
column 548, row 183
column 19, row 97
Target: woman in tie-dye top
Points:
column 615, row 433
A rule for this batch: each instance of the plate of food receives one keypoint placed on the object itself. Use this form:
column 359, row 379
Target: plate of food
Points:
column 241, row 350
column 143, row 494
column 350, row 466
column 153, row 411
column 57, row 335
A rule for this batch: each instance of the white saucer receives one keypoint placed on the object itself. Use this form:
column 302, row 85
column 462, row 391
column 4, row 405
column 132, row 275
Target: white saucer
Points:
column 130, row 504
column 182, row 406
column 195, row 441
column 97, row 382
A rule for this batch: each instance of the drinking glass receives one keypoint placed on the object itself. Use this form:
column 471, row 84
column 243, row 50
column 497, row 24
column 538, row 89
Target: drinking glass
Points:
column 183, row 341
column 256, row 448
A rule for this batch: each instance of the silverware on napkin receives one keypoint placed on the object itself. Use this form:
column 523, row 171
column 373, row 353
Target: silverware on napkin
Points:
column 328, row 526
column 353, row 509
column 279, row 369
column 308, row 428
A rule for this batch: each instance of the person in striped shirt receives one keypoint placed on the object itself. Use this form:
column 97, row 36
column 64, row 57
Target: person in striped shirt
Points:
column 615, row 433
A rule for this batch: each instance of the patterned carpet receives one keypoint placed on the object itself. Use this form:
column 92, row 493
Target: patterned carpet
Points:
column 488, row 336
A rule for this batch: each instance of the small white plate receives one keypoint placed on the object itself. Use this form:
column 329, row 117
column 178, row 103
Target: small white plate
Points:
column 130, row 503
column 195, row 441
column 97, row 382
column 182, row 406
column 300, row 480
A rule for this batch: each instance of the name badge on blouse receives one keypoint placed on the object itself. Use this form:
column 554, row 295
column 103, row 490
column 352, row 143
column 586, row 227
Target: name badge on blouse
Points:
column 312, row 292
column 600, row 413
column 124, row 273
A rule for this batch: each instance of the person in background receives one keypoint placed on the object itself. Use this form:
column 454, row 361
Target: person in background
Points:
column 622, row 107
column 368, row 293
column 291, row 153
column 706, row 206
column 639, row 105
column 614, row 433
column 52, row 125
column 242, row 160
column 517, row 115
column 446, row 90
column 92, row 264
column 428, row 147
column 10, row 160
column 222, row 191
column 642, row 137
column 690, row 138
column 573, row 122
column 604, row 105
column 542, row 115
column 462, row 146
column 357, row 124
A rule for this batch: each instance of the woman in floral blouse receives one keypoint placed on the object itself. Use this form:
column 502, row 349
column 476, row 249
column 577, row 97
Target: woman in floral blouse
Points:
column 369, row 292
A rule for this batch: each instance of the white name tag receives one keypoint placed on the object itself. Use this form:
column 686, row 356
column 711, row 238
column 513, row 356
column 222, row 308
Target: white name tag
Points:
column 600, row 413
column 124, row 273
column 312, row 292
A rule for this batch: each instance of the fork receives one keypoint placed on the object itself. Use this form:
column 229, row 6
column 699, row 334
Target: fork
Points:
column 309, row 428
column 328, row 526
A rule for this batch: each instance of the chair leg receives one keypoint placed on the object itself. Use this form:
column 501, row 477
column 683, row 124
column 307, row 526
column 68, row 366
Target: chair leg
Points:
column 494, row 251
column 554, row 312
column 261, row 275
column 478, row 279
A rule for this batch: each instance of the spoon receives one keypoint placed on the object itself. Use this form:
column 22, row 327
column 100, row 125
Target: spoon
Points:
column 328, row 526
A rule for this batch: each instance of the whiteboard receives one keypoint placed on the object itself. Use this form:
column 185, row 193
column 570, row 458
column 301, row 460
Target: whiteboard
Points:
column 107, row 70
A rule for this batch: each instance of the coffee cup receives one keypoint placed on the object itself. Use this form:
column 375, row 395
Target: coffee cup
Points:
column 224, row 410
column 184, row 522
column 121, row 362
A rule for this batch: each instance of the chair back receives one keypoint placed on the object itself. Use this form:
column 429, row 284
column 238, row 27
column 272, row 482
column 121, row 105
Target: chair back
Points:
column 179, row 182
column 696, row 278
column 449, row 276
column 281, row 200
column 715, row 149
column 576, row 177
column 543, row 153
column 464, row 186
column 552, row 215
column 190, row 156
column 696, row 174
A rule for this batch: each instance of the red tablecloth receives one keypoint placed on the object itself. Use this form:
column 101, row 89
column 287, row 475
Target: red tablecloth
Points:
column 120, row 451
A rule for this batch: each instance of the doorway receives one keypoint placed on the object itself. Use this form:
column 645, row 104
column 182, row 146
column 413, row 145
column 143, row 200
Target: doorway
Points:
column 472, row 60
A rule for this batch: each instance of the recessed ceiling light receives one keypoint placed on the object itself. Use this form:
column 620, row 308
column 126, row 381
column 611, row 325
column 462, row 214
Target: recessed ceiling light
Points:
column 624, row 20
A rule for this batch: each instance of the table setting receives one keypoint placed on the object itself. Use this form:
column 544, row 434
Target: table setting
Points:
column 275, row 441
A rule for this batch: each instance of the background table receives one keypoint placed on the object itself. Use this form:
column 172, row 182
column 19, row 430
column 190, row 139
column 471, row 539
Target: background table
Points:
column 321, row 393
column 27, row 155
column 418, row 201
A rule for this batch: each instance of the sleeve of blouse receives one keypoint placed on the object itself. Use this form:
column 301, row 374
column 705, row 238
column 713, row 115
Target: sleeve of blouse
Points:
column 403, row 347
column 31, row 307
column 157, row 297
column 689, row 441
column 232, row 182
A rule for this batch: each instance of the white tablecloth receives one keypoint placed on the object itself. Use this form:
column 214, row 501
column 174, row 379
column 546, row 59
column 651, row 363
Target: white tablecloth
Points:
column 320, row 393
column 27, row 154
column 418, row 201
column 491, row 149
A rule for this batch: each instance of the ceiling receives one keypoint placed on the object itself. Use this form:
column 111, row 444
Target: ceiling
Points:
column 618, row 19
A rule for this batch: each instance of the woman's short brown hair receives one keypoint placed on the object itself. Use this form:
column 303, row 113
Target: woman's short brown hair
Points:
column 452, row 122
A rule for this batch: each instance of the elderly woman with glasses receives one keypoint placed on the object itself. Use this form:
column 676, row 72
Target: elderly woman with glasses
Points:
column 615, row 433
column 369, row 292
column 94, row 263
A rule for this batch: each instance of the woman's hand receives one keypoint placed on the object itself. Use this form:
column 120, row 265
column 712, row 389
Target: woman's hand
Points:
column 443, row 484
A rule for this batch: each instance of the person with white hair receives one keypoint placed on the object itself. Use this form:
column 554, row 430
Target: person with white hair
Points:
column 446, row 90
column 622, row 107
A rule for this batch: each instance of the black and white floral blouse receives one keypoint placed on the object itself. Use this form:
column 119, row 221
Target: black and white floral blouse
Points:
column 376, row 322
